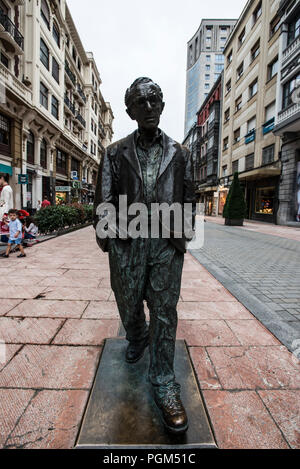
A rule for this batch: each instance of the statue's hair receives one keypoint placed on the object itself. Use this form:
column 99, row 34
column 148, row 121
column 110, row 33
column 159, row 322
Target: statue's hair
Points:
column 131, row 90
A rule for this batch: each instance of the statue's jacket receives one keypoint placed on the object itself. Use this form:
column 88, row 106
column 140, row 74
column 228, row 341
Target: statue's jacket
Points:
column 120, row 174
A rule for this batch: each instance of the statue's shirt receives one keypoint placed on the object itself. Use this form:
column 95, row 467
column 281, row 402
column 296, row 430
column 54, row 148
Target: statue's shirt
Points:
column 150, row 159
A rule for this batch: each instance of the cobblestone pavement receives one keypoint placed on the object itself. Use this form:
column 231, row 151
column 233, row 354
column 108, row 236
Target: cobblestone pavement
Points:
column 261, row 270
column 56, row 309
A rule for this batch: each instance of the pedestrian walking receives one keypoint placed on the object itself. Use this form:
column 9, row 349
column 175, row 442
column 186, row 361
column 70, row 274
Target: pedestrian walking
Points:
column 6, row 197
column 15, row 233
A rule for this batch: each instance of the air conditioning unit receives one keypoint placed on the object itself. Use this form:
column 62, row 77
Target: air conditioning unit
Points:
column 74, row 175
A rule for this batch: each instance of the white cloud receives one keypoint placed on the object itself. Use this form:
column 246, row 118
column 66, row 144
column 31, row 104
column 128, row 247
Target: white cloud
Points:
column 137, row 38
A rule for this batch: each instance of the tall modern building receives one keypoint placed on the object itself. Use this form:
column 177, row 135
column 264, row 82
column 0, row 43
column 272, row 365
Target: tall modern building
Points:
column 205, row 62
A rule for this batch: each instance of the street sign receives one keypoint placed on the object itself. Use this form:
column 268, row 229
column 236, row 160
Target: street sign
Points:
column 62, row 188
column 76, row 184
column 22, row 178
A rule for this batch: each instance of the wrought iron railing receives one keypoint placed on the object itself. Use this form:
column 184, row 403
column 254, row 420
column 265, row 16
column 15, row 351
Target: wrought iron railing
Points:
column 11, row 29
column 69, row 104
column 70, row 73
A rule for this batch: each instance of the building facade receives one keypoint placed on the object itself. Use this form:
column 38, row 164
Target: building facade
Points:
column 51, row 105
column 205, row 61
column 248, row 145
column 287, row 118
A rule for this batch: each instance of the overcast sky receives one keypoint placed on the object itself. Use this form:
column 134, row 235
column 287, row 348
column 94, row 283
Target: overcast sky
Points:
column 133, row 38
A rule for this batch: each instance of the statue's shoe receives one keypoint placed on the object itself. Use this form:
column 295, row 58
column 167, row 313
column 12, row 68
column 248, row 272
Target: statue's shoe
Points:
column 171, row 410
column 135, row 350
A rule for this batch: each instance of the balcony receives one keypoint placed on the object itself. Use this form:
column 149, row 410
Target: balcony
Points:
column 10, row 35
column 250, row 137
column 101, row 146
column 288, row 120
column 69, row 104
column 70, row 75
column 14, row 85
column 291, row 50
column 81, row 93
column 268, row 126
column 81, row 120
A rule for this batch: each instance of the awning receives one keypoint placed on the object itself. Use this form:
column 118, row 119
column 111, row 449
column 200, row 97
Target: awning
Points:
column 6, row 169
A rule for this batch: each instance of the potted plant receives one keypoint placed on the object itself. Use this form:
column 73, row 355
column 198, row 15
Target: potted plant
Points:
column 235, row 206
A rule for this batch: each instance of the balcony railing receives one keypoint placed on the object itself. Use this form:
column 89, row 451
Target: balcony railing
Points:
column 70, row 73
column 81, row 119
column 250, row 137
column 80, row 91
column 69, row 104
column 11, row 29
column 288, row 112
column 289, row 51
column 268, row 126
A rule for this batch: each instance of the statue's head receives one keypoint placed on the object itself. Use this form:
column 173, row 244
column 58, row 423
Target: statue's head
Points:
column 144, row 103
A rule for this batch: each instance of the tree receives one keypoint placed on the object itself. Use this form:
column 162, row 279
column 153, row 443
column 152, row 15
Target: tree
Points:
column 235, row 206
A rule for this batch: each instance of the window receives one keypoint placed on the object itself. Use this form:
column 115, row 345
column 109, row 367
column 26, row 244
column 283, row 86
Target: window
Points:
column 268, row 154
column 75, row 165
column 253, row 89
column 225, row 143
column 43, row 95
column 237, row 135
column 242, row 37
column 43, row 154
column 216, row 76
column 55, row 70
column 44, row 54
column 207, row 67
column 228, row 86
column 224, row 170
column 74, row 55
column 293, row 30
column 251, row 124
column 227, row 115
column 240, row 71
column 220, row 58
column 206, row 86
column 264, row 200
column 68, row 41
column 54, row 107
column 257, row 13
column 255, row 50
column 45, row 13
column 56, row 34
column 79, row 65
column 238, row 103
column 235, row 166
column 210, row 143
column 270, row 111
column 272, row 68
column 288, row 89
column 249, row 162
column 207, row 58
column 3, row 7
column 4, row 135
column 219, row 67
column 274, row 25
column 61, row 162
column 207, row 76
column 4, row 60
column 30, row 148
column 229, row 57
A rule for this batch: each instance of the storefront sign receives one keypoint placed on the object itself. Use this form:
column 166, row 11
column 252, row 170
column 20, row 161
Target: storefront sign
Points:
column 23, row 179
column 76, row 184
column 62, row 189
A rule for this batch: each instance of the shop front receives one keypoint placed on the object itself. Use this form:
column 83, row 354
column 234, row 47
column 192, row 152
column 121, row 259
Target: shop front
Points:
column 222, row 193
column 262, row 199
column 62, row 193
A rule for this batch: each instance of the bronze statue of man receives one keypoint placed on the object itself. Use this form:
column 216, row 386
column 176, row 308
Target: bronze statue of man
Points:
column 148, row 167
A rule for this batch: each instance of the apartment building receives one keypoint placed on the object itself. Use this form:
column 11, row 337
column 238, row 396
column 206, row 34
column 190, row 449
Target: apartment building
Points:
column 205, row 62
column 51, row 95
column 287, row 116
column 249, row 100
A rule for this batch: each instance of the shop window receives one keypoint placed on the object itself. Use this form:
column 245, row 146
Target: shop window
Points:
column 30, row 148
column 56, row 34
column 44, row 54
column 264, row 200
column 43, row 154
column 61, row 162
column 268, row 154
column 4, row 135
column 43, row 95
column 272, row 68
column 45, row 13
column 55, row 70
